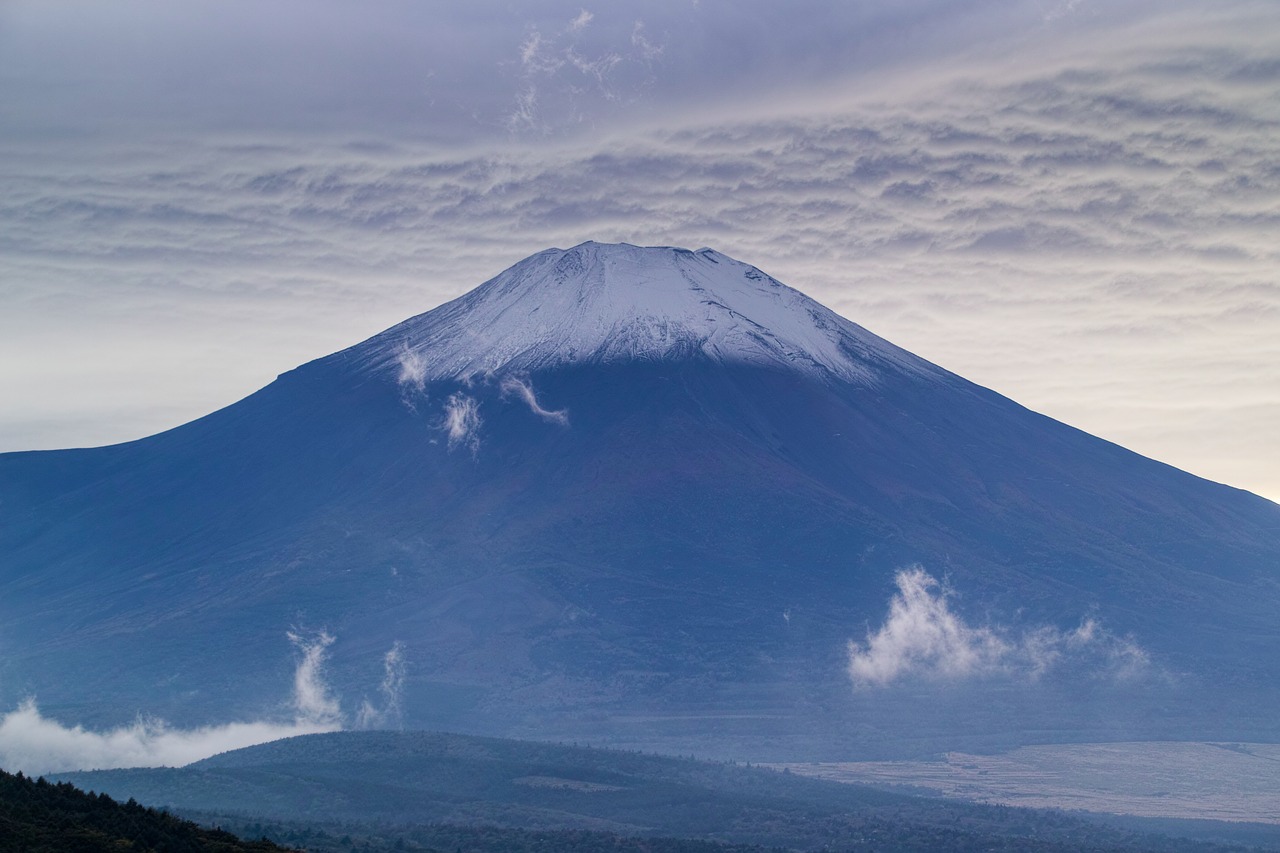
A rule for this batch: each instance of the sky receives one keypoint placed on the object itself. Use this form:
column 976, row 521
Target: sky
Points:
column 1073, row 202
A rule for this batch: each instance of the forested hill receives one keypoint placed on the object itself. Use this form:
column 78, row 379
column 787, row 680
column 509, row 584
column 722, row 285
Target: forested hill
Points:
column 434, row 790
column 44, row 817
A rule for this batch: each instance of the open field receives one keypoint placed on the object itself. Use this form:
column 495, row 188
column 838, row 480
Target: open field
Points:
column 1207, row 781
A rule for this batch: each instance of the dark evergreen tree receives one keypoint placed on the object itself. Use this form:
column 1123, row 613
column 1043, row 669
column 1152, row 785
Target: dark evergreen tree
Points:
column 37, row 816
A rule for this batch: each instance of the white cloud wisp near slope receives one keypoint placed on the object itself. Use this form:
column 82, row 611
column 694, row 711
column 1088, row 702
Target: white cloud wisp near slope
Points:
column 922, row 637
column 522, row 388
column 35, row 744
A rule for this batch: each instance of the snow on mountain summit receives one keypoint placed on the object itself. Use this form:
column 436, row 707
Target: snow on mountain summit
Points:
column 598, row 303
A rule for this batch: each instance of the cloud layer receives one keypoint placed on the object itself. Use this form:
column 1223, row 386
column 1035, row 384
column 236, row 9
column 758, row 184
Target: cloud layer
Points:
column 1087, row 226
column 452, row 72
column 35, row 744
column 922, row 637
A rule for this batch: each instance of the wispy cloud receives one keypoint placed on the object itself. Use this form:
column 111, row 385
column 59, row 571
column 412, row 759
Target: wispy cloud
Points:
column 462, row 422
column 522, row 388
column 388, row 713
column 649, row 51
column 565, row 77
column 412, row 377
column 922, row 637
column 312, row 699
column 580, row 23
column 35, row 744
column 413, row 370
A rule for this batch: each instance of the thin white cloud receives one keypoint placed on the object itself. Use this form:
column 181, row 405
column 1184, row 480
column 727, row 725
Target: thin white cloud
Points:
column 35, row 744
column 566, row 77
column 388, row 713
column 649, row 51
column 411, row 377
column 462, row 422
column 413, row 371
column 521, row 387
column 312, row 699
column 922, row 637
column 597, row 68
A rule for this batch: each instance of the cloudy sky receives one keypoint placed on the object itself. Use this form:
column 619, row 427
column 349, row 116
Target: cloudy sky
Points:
column 1074, row 202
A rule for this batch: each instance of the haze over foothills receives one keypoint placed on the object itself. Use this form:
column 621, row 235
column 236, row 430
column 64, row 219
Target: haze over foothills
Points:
column 1074, row 203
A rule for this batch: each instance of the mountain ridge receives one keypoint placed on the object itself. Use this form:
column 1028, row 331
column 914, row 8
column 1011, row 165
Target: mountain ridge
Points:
column 618, row 302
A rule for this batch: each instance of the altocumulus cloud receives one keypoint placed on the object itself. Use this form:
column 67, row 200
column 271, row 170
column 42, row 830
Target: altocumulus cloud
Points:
column 35, row 744
column 923, row 637
column 1111, row 202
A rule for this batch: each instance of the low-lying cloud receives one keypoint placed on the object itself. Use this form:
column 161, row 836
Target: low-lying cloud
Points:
column 36, row 744
column 923, row 637
column 523, row 389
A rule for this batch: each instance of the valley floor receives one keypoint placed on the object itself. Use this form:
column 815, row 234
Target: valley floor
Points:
column 1204, row 781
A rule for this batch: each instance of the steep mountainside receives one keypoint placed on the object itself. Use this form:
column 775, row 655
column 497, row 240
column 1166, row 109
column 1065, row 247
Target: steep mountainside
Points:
column 646, row 495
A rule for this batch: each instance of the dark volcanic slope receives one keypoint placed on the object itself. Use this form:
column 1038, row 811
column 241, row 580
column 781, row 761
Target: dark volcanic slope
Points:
column 684, row 553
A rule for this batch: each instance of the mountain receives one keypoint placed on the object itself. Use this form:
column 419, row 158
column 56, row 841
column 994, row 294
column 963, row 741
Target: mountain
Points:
column 645, row 495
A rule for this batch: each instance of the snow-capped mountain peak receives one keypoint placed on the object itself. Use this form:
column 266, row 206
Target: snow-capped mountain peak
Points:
column 599, row 303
